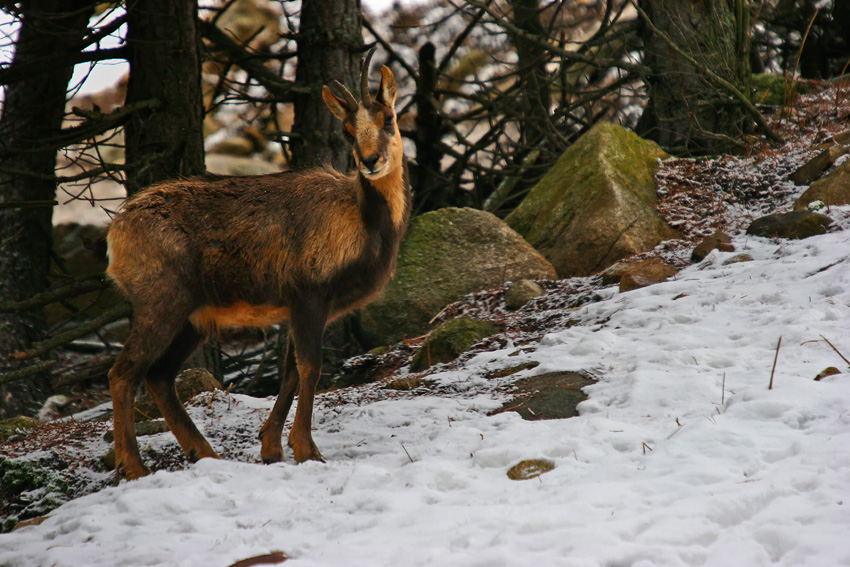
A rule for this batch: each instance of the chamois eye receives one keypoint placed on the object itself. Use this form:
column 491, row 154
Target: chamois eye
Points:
column 388, row 122
column 348, row 136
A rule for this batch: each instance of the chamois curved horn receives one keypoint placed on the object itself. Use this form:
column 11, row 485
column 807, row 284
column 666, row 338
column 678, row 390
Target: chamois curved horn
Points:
column 365, row 94
column 340, row 91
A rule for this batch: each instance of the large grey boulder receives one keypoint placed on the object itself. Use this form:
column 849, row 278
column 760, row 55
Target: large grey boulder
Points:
column 447, row 254
column 597, row 203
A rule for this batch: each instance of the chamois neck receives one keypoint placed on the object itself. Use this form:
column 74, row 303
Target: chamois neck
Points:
column 394, row 188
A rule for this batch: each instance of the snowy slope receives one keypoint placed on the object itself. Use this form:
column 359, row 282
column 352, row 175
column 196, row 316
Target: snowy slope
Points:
column 665, row 466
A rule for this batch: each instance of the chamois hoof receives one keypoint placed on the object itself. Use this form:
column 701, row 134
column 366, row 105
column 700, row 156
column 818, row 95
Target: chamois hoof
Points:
column 306, row 451
column 196, row 455
column 126, row 471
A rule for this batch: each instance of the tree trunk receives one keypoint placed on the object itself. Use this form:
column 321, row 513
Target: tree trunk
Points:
column 531, row 69
column 687, row 114
column 167, row 141
column 33, row 112
column 330, row 44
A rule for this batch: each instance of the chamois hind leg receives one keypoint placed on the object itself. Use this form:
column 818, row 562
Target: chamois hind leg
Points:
column 124, row 379
column 151, row 332
column 308, row 321
column 272, row 430
column 160, row 382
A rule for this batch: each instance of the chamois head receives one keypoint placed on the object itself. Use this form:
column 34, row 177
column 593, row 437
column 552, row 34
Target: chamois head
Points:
column 370, row 125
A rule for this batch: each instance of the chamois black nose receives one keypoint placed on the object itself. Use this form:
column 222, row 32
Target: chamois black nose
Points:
column 370, row 162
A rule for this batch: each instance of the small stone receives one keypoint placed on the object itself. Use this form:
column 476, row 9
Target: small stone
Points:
column 521, row 292
column 647, row 273
column 530, row 468
column 717, row 241
column 829, row 371
column 794, row 225
column 615, row 273
column 738, row 259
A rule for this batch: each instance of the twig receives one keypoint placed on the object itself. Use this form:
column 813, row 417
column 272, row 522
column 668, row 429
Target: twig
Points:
column 45, row 346
column 72, row 289
column 723, row 391
column 406, row 453
column 25, row 372
column 775, row 358
column 844, row 358
column 28, row 204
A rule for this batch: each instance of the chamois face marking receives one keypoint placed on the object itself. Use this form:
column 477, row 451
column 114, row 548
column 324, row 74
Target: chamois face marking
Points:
column 370, row 125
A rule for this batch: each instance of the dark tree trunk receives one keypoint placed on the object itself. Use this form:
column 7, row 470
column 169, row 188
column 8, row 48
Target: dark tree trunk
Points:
column 33, row 111
column 330, row 45
column 686, row 113
column 431, row 188
column 163, row 44
column 531, row 69
column 167, row 141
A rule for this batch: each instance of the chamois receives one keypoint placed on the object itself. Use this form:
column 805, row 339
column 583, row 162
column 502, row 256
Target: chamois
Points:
column 199, row 254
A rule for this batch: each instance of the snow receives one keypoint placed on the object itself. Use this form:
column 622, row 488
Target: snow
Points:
column 680, row 456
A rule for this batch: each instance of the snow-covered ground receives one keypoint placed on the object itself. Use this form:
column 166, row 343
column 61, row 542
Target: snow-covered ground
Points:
column 681, row 454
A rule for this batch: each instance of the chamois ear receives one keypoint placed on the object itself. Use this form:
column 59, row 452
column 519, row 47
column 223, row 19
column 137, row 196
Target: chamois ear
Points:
column 387, row 90
column 336, row 104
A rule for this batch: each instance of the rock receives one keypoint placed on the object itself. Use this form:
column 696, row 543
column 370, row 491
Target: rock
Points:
column 447, row 254
column 776, row 90
column 82, row 252
column 832, row 189
column 522, row 292
column 647, row 266
column 13, row 425
column 828, row 371
column 510, row 370
column 450, row 340
column 404, row 384
column 795, row 225
column 812, row 169
column 234, row 146
column 530, row 468
column 224, row 164
column 717, row 241
column 597, row 203
column 738, row 258
column 553, row 395
column 190, row 383
column 143, row 428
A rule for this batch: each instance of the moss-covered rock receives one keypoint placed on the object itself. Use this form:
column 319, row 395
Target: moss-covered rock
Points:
column 776, row 90
column 30, row 488
column 447, row 254
column 597, row 203
column 8, row 427
column 450, row 340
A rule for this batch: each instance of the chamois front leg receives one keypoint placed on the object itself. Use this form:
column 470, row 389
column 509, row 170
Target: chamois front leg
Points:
column 308, row 327
column 272, row 430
